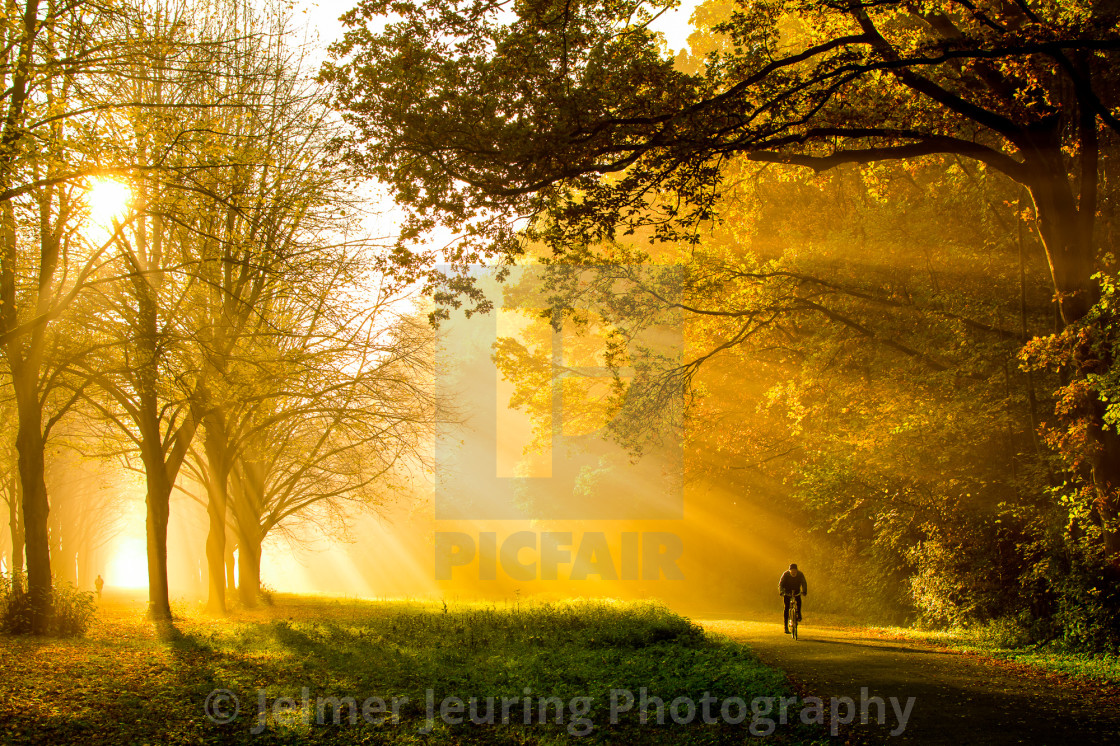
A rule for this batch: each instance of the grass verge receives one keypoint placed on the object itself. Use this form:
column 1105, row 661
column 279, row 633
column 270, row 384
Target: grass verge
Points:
column 995, row 642
column 306, row 659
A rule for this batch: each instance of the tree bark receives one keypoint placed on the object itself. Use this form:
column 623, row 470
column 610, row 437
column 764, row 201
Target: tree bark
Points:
column 1068, row 246
column 216, row 510
column 162, row 454
column 231, row 565
column 249, row 565
column 15, row 525
column 1105, row 470
column 158, row 502
column 249, row 571
column 32, row 474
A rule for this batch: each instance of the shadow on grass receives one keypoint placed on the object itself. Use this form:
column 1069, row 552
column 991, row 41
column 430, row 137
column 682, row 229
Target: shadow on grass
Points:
column 197, row 679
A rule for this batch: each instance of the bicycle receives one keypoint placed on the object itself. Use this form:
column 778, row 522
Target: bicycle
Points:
column 793, row 614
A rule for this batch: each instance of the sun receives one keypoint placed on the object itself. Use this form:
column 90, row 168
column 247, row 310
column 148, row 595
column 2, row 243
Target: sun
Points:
column 108, row 200
column 129, row 566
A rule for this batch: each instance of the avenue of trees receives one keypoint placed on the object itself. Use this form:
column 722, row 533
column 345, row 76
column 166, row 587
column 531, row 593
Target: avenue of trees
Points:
column 888, row 229
column 222, row 326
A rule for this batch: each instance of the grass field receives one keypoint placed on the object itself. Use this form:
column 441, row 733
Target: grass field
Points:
column 293, row 666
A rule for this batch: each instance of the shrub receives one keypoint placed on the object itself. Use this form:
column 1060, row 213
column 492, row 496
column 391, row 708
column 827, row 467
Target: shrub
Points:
column 72, row 610
column 14, row 605
column 941, row 589
column 1089, row 611
column 1008, row 632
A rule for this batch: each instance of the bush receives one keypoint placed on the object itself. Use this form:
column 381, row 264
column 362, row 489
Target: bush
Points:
column 72, row 610
column 14, row 605
column 1008, row 632
column 1089, row 612
column 945, row 588
column 1076, row 591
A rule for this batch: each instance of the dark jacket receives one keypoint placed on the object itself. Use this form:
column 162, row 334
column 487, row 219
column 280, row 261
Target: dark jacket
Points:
column 790, row 584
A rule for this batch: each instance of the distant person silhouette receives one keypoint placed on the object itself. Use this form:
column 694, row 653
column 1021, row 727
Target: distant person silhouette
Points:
column 792, row 585
column 99, row 584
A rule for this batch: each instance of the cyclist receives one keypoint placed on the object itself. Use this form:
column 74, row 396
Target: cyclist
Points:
column 792, row 585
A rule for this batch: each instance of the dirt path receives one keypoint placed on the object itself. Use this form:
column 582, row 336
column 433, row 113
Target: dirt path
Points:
column 959, row 699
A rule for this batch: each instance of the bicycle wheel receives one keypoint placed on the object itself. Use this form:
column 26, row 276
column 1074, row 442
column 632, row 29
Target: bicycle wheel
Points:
column 793, row 627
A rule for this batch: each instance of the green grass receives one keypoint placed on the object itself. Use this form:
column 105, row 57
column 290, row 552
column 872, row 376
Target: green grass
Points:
column 995, row 641
column 129, row 682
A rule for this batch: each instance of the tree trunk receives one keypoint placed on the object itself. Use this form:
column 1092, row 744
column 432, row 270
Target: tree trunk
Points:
column 84, row 565
column 249, row 565
column 158, row 504
column 32, row 474
column 231, row 565
column 160, row 467
column 15, row 525
column 158, row 501
column 66, row 565
column 216, row 509
column 216, row 555
column 1068, row 245
column 62, row 553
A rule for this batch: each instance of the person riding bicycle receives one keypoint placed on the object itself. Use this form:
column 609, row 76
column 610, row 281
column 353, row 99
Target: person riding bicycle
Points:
column 792, row 585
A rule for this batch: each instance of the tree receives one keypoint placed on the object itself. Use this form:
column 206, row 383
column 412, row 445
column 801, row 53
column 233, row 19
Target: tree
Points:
column 227, row 138
column 9, row 493
column 286, row 203
column 278, row 206
column 149, row 366
column 567, row 113
column 334, row 410
column 52, row 54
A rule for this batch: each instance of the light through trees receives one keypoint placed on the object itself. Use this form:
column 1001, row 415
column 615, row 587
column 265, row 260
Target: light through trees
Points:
column 128, row 567
column 107, row 201
column 182, row 308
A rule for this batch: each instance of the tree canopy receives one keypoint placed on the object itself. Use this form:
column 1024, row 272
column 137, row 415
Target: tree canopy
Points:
column 569, row 113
